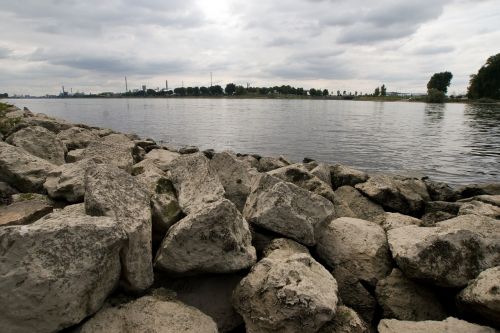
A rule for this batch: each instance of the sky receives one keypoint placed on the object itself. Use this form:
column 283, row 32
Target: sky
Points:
column 352, row 45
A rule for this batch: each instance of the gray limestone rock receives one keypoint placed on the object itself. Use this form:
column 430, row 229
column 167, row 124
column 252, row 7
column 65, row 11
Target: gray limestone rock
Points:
column 22, row 170
column 112, row 192
column 39, row 142
column 450, row 254
column 287, row 291
column 286, row 209
column 214, row 239
column 448, row 325
column 57, row 271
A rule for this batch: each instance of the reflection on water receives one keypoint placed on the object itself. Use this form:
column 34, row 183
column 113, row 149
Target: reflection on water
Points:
column 454, row 142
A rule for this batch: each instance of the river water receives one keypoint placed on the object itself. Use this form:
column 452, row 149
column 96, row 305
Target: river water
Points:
column 455, row 143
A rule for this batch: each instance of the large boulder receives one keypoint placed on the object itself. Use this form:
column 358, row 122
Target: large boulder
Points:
column 6, row 192
column 359, row 206
column 358, row 246
column 486, row 198
column 270, row 163
column 24, row 212
column 22, row 170
column 67, row 181
column 40, row 142
column 151, row 314
column 439, row 191
column 52, row 124
column 235, row 175
column 479, row 189
column 210, row 294
column 286, row 209
column 57, row 271
column 214, row 239
column 287, row 291
column 478, row 207
column 390, row 221
column 322, row 171
column 162, row 158
column 195, row 181
column 113, row 151
column 450, row 254
column 343, row 175
column 404, row 299
column 112, row 192
column 404, row 195
column 437, row 211
column 346, row 320
column 300, row 176
column 482, row 296
column 77, row 137
column 448, row 325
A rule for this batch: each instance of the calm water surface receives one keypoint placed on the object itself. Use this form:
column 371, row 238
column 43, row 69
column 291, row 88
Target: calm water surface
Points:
column 455, row 143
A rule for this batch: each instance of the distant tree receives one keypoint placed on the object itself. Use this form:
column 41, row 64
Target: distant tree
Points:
column 240, row 90
column 338, row 93
column 151, row 92
column 356, row 93
column 440, row 81
column 180, row 91
column 230, row 89
column 204, row 91
column 344, row 93
column 312, row 92
column 486, row 83
column 383, row 90
column 264, row 91
column 435, row 96
column 376, row 92
column 189, row 91
column 4, row 95
column 216, row 90
column 325, row 92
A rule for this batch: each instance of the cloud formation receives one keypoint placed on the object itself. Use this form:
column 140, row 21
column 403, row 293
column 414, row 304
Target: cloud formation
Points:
column 335, row 44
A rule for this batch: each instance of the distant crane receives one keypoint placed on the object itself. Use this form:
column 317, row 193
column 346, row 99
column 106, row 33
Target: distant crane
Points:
column 126, row 85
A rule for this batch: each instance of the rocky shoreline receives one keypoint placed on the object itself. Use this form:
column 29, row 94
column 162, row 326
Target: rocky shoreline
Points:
column 108, row 232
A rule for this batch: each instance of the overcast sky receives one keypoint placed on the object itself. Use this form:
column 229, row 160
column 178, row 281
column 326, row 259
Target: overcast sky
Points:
column 352, row 45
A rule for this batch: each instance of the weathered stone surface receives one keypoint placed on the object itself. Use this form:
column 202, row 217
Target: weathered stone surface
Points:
column 482, row 296
column 195, row 181
column 404, row 299
column 390, row 221
column 437, row 211
column 401, row 194
column 353, row 293
column 214, row 239
column 22, row 170
column 39, row 142
column 162, row 158
column 77, row 137
column 67, row 181
column 286, row 209
column 24, row 212
column 102, row 132
column 250, row 160
column 322, row 171
column 360, row 206
column 450, row 254
column 270, row 163
column 479, row 189
column 52, row 124
column 356, row 245
column 235, row 175
column 112, row 192
column 287, row 291
column 188, row 150
column 210, row 294
column 150, row 314
column 439, row 191
column 489, row 199
column 344, row 175
column 300, row 176
column 448, row 325
column 346, row 320
column 75, row 155
column 477, row 207
column 116, row 154
column 57, row 271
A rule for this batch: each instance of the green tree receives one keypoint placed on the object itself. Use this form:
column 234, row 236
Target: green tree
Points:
column 216, row 90
column 440, row 81
column 230, row 89
column 325, row 92
column 376, row 92
column 435, row 96
column 240, row 90
column 312, row 92
column 204, row 91
column 180, row 91
column 383, row 90
column 486, row 83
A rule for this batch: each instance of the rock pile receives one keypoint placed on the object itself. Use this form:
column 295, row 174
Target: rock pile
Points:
column 106, row 232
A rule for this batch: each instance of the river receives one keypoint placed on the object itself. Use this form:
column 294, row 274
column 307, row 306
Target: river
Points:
column 455, row 143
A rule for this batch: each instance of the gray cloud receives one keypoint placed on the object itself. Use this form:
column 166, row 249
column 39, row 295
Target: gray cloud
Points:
column 5, row 52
